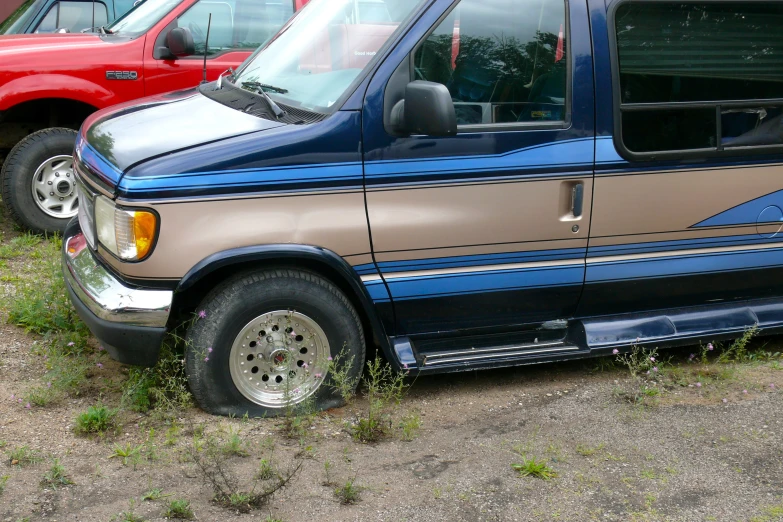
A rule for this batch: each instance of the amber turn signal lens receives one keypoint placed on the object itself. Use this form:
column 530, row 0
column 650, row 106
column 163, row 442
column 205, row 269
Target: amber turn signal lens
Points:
column 144, row 227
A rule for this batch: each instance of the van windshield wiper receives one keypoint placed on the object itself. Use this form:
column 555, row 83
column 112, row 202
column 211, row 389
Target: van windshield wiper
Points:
column 264, row 86
column 261, row 88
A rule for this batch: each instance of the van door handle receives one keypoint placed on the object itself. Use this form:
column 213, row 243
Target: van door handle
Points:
column 577, row 199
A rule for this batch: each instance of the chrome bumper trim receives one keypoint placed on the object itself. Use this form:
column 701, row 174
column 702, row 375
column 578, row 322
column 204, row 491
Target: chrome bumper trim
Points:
column 107, row 297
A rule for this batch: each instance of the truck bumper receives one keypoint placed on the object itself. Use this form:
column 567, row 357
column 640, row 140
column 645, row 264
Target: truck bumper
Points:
column 129, row 322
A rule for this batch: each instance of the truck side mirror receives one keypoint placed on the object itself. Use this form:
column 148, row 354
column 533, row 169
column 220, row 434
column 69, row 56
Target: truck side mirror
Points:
column 426, row 109
column 179, row 43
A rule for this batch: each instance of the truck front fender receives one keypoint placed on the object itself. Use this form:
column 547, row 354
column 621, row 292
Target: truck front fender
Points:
column 48, row 86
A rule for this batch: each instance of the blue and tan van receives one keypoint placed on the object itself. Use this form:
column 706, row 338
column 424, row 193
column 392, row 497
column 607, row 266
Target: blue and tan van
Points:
column 460, row 184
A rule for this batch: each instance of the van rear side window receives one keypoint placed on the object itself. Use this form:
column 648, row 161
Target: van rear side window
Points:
column 698, row 78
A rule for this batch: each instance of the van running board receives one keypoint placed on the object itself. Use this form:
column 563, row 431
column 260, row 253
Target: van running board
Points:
column 478, row 355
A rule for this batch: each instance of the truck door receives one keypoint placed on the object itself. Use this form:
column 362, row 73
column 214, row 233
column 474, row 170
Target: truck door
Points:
column 487, row 228
column 237, row 29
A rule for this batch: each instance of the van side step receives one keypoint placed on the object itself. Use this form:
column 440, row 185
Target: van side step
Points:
column 479, row 355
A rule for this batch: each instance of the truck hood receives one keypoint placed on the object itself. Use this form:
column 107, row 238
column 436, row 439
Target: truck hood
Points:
column 15, row 47
column 118, row 138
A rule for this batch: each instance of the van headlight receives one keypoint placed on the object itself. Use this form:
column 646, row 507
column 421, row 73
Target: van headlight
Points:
column 128, row 234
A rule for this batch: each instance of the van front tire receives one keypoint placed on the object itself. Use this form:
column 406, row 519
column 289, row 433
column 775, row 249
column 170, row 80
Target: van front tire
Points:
column 265, row 341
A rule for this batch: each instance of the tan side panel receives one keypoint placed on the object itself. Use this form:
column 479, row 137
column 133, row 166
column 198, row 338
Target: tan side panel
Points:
column 192, row 230
column 673, row 201
column 463, row 215
column 482, row 249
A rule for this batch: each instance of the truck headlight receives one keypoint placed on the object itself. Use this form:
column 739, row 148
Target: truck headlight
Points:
column 128, row 234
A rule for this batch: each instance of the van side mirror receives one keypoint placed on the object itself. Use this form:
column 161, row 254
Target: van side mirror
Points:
column 179, row 43
column 426, row 109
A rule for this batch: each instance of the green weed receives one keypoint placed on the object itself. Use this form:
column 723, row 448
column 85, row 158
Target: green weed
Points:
column 587, row 451
column 534, row 468
column 128, row 516
column 97, row 419
column 384, row 389
column 3, row 482
column 127, row 453
column 410, row 425
column 179, row 508
column 24, row 456
column 56, row 476
column 349, row 492
column 154, row 494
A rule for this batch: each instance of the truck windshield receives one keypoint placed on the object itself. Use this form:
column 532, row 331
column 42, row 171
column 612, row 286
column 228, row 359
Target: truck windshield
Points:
column 312, row 62
column 138, row 20
column 16, row 23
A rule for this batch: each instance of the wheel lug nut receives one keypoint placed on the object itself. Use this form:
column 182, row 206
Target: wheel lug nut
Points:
column 51, row 193
column 61, row 199
column 49, row 182
column 56, row 174
column 67, row 174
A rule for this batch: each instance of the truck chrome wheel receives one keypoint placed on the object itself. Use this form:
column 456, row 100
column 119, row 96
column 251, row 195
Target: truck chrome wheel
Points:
column 54, row 187
column 279, row 358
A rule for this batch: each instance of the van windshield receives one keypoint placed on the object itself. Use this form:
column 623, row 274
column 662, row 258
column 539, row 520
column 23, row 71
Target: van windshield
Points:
column 312, row 62
column 15, row 23
column 138, row 20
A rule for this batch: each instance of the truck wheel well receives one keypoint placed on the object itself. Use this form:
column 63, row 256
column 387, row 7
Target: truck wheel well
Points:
column 185, row 303
column 31, row 116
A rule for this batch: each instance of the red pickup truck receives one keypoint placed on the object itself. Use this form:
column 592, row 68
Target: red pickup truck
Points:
column 50, row 83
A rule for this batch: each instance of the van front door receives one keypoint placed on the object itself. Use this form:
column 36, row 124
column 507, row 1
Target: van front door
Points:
column 487, row 228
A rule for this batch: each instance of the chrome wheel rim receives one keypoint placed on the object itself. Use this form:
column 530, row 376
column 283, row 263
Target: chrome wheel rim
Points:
column 279, row 359
column 54, row 187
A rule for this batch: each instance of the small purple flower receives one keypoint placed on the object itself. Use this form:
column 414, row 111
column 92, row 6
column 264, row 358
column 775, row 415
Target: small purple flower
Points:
column 405, row 365
column 698, row 385
column 709, row 346
column 772, row 385
column 745, row 392
column 691, row 356
column 13, row 397
column 329, row 358
column 101, row 348
column 304, row 365
column 648, row 372
column 19, row 400
column 725, row 400
column 27, row 406
column 45, row 357
column 206, row 359
column 209, row 350
column 655, row 368
column 202, row 314
column 71, row 343
column 317, row 375
column 292, row 334
column 615, row 351
column 48, row 384
column 296, row 390
column 99, row 365
column 652, row 359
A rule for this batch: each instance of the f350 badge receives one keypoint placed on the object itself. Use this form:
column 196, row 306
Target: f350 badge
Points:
column 122, row 75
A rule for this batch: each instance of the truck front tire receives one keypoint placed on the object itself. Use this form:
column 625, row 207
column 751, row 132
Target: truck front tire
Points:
column 38, row 184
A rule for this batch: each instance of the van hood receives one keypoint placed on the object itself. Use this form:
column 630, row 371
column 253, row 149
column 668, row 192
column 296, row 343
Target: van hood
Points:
column 118, row 138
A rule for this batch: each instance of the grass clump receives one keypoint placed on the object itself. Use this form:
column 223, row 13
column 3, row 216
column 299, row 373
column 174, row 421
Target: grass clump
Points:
column 3, row 482
column 534, row 468
column 162, row 388
column 384, row 389
column 24, row 456
column 127, row 453
column 179, row 508
column 587, row 451
column 97, row 419
column 56, row 476
column 349, row 492
column 154, row 494
column 410, row 425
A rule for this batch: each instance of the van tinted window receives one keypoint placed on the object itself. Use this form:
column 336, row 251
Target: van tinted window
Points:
column 699, row 76
column 504, row 61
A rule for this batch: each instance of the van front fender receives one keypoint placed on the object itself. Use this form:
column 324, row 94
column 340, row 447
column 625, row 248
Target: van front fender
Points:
column 318, row 258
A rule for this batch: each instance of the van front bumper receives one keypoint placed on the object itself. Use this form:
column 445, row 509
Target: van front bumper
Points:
column 129, row 322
